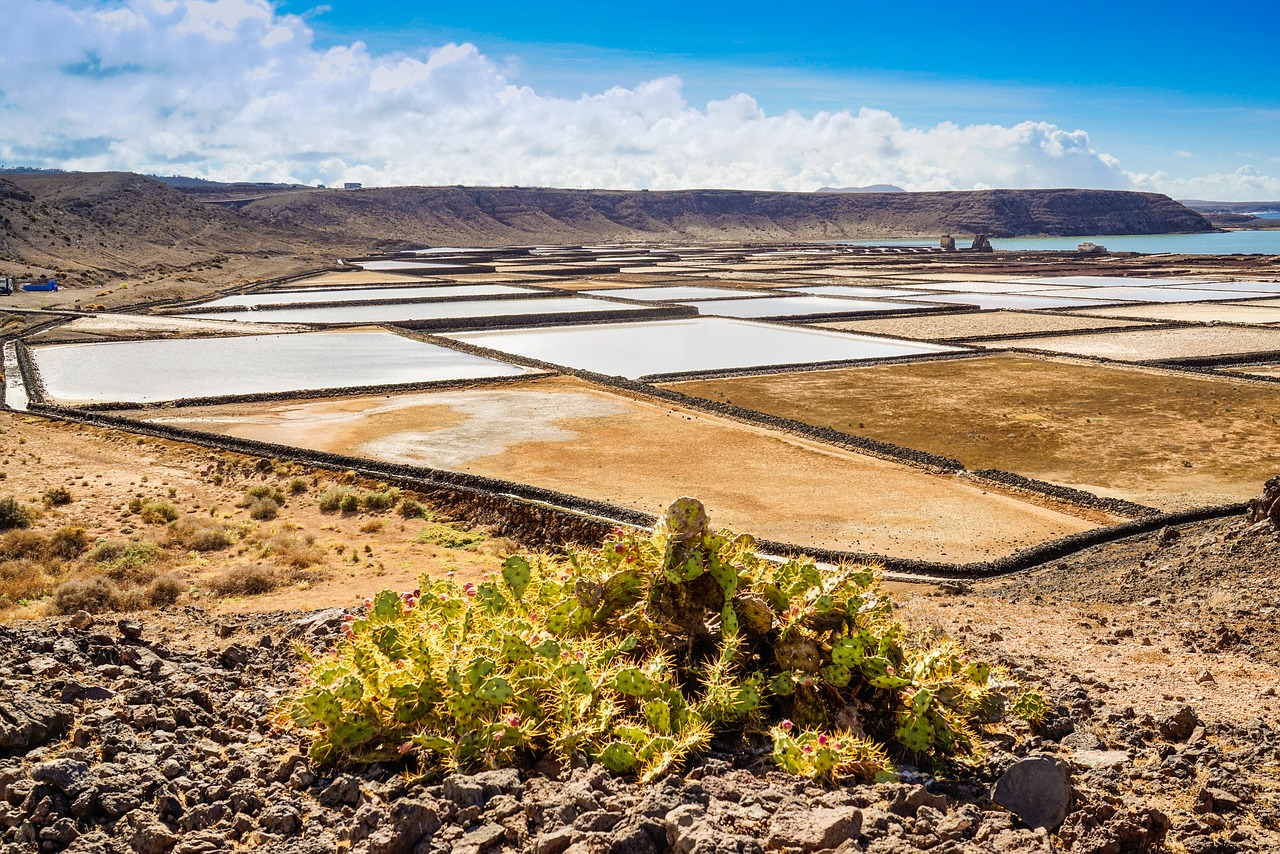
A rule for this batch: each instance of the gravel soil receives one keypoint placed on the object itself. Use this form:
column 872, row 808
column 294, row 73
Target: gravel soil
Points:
column 160, row 733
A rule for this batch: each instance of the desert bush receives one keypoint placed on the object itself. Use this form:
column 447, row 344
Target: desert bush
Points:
column 411, row 509
column 95, row 595
column 23, row 580
column 158, row 512
column 330, row 500
column 440, row 534
column 246, row 581
column 57, row 496
column 68, row 542
column 637, row 653
column 17, row 545
column 264, row 509
column 13, row 514
column 164, row 590
column 263, row 490
column 297, row 486
column 294, row 550
column 125, row 559
column 201, row 535
column 382, row 499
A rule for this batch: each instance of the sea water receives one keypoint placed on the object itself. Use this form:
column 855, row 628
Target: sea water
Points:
column 1216, row 243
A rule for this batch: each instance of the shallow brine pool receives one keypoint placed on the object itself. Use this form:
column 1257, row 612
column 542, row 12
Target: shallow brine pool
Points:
column 404, row 312
column 171, row 369
column 677, row 292
column 795, row 306
column 637, row 350
column 305, row 295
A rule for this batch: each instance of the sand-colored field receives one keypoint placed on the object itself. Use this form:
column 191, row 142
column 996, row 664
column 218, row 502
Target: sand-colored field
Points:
column 143, row 325
column 1150, row 345
column 361, row 277
column 961, row 326
column 1156, row 437
column 1195, row 313
column 567, row 435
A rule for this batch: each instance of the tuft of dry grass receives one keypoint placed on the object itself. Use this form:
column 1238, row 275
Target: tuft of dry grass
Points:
column 246, row 581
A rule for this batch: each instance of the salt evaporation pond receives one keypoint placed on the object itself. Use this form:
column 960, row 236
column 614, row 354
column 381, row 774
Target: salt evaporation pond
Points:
column 850, row 291
column 989, row 302
column 677, row 292
column 1158, row 294
column 404, row 312
column 794, row 306
column 636, row 350
column 302, row 295
column 175, row 368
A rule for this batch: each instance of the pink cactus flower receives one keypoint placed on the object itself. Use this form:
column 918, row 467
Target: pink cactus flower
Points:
column 786, row 726
column 405, row 748
column 513, row 721
column 822, row 740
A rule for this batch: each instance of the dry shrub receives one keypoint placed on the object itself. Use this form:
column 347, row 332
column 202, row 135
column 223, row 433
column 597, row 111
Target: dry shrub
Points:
column 13, row 514
column 95, row 595
column 198, row 534
column 246, row 581
column 165, row 590
column 158, row 512
column 20, row 545
column 68, row 542
column 129, row 560
column 262, row 490
column 411, row 509
column 21, row 580
column 296, row 551
column 57, row 497
column 264, row 509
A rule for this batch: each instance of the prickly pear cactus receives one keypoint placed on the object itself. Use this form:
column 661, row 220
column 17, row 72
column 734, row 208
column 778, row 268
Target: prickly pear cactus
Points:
column 637, row 652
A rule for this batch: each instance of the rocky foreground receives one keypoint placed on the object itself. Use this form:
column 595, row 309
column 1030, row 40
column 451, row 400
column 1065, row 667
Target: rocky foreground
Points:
column 158, row 734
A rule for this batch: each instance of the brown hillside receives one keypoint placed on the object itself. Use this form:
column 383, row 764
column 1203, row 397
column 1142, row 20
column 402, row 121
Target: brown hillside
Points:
column 513, row 215
column 98, row 228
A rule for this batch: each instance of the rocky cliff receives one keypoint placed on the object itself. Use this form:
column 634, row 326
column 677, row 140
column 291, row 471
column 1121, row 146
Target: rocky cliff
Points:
column 103, row 226
column 516, row 215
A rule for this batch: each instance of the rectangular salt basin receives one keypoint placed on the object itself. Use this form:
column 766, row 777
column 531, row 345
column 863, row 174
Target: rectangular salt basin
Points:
column 635, row 350
column 1196, row 312
column 988, row 302
column 1151, row 345
column 850, row 291
column 987, row 287
column 676, row 293
column 1119, row 294
column 392, row 266
column 364, row 295
column 1108, row 281
column 175, row 368
column 793, row 306
column 402, row 312
column 1245, row 287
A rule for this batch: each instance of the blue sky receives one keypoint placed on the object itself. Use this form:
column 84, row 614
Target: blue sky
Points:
column 1175, row 98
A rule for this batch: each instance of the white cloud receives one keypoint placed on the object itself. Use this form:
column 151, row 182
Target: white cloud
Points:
column 1245, row 184
column 231, row 90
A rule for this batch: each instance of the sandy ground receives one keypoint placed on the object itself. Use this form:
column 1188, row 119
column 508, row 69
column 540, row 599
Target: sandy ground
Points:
column 564, row 434
column 1155, row 437
column 143, row 325
column 976, row 324
column 1149, row 345
column 1195, row 313
column 104, row 470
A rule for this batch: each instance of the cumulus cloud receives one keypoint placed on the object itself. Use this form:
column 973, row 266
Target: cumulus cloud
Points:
column 232, row 90
column 1244, row 184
